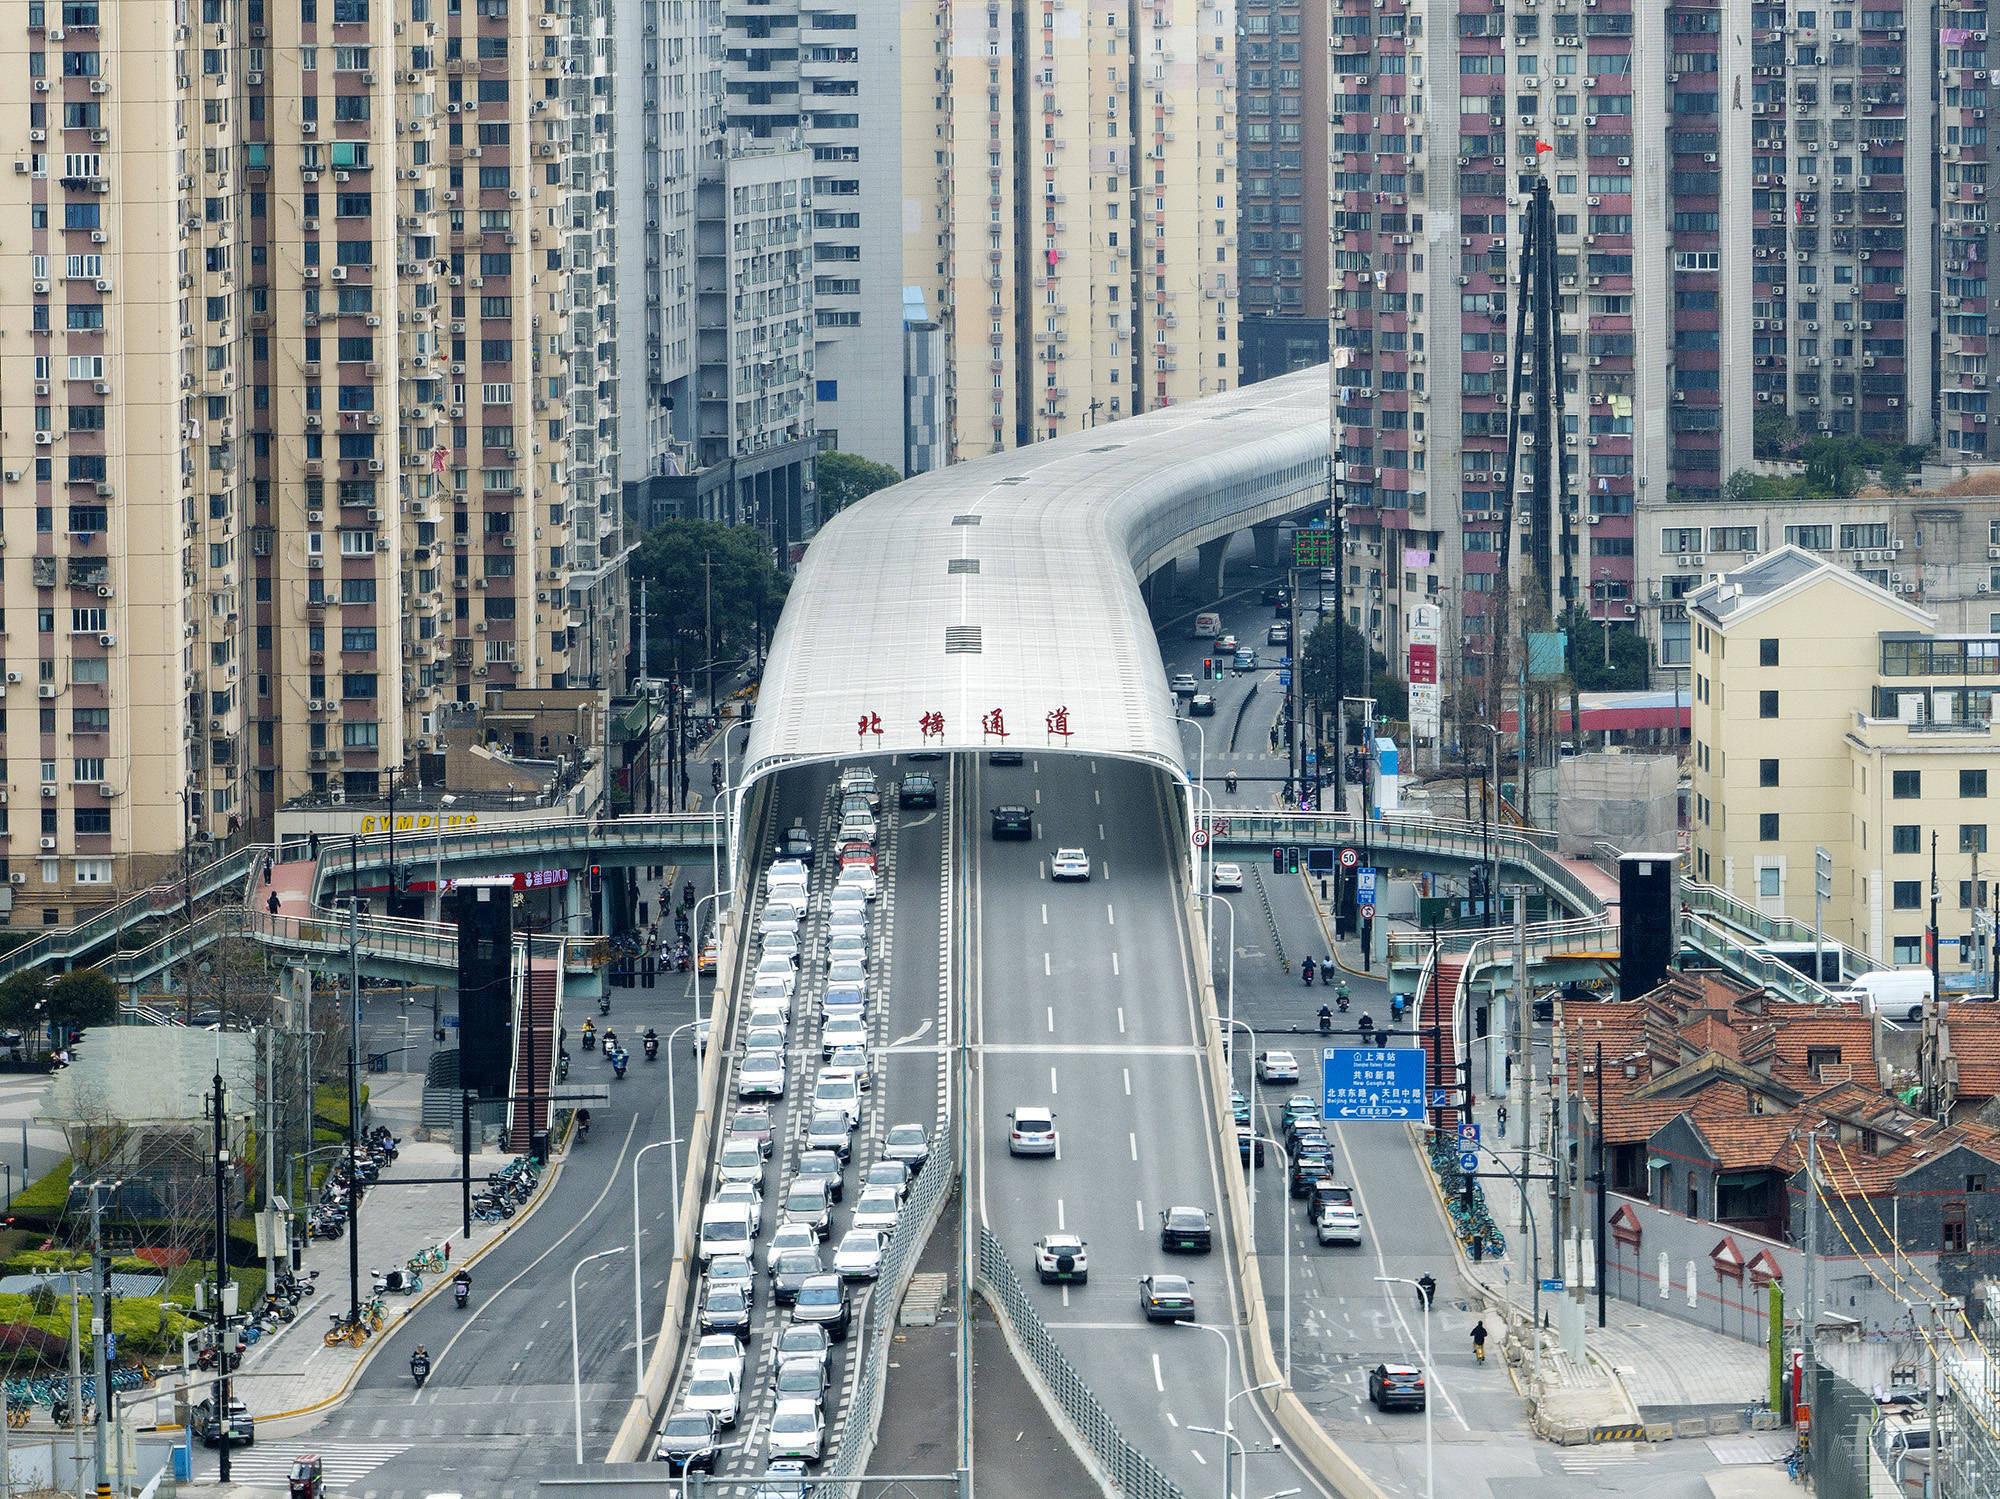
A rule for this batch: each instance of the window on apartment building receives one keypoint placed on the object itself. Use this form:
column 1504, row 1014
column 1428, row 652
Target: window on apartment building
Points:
column 1767, row 772
column 1972, row 783
column 1906, row 838
column 1906, row 895
column 1906, row 785
column 1972, row 837
column 1767, row 705
column 1770, row 882
column 1767, row 827
column 1767, row 652
column 1951, row 1235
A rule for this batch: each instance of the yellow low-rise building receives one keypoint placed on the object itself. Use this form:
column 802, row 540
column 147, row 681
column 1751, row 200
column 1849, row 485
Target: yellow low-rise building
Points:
column 1830, row 713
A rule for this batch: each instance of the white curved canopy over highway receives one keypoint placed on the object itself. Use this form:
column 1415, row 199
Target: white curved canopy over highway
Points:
column 1009, row 585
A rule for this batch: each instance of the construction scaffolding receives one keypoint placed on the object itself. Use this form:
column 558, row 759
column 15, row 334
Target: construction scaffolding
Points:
column 1611, row 801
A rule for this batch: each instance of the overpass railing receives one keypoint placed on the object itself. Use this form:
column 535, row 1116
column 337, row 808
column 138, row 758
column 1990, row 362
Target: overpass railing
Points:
column 1577, row 934
column 1131, row 1472
column 151, row 904
column 1729, row 911
column 1740, row 957
column 1529, row 849
column 580, row 836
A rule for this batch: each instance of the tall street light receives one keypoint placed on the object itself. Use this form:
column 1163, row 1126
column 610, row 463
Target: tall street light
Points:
column 1284, row 1165
column 1430, row 1471
column 1226, row 1350
column 575, row 1358
column 1231, row 909
column 638, row 1283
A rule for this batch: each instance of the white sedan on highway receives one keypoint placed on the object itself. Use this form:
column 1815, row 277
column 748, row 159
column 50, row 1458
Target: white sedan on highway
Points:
column 1069, row 864
column 1227, row 877
column 859, row 1254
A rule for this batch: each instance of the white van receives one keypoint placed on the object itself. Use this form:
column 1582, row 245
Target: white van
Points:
column 726, row 1229
column 1207, row 626
column 1897, row 993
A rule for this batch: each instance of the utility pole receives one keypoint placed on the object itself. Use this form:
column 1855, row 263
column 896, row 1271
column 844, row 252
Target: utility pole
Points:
column 353, row 1088
column 223, row 1351
column 1809, row 1303
column 76, row 1391
column 100, row 1326
column 1603, row 1185
column 1337, row 504
column 268, row 1148
column 1927, row 1045
column 1524, row 1067
column 708, row 625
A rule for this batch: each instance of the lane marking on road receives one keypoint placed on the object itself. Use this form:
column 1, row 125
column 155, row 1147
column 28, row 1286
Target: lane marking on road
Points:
column 916, row 1034
column 1107, row 870
column 1088, row 1048
column 1121, row 1020
column 1052, row 1081
column 617, row 1171
column 1038, row 796
column 1159, row 1380
column 1114, row 973
column 1100, row 832
column 1045, row 913
column 1139, row 1212
column 1110, row 915
column 1045, row 965
column 1060, row 1224
column 1198, row 1457
column 1171, row 1420
column 1052, row 1017
column 1128, row 1080
column 1098, row 797
column 1133, row 1141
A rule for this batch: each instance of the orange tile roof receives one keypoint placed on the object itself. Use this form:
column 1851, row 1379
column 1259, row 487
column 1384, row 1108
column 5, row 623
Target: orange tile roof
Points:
column 1973, row 1033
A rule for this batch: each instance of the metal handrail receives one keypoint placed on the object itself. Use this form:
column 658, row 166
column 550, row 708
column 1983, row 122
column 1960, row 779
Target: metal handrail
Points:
column 1573, row 934
column 151, row 904
column 1739, row 957
column 1747, row 918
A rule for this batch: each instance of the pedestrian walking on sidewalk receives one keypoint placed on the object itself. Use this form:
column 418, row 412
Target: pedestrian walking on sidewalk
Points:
column 312, row 846
column 267, row 869
column 271, row 905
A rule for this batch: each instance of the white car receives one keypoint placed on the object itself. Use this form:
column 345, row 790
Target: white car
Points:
column 1277, row 1067
column 852, row 1060
column 762, row 1075
column 1338, row 1224
column 787, row 872
column 1069, row 864
column 839, row 1031
column 774, row 991
column 750, row 1198
column 718, row 1392
column 783, row 944
column 858, row 877
column 797, row 1430
column 767, row 1015
column 764, row 1038
column 856, row 827
column 777, row 973
column 742, row 1161
column 858, row 780
column 1032, row 1132
column 1061, row 1257
column 718, row 1351
column 838, row 1091
column 846, row 947
column 800, row 1379
column 780, row 916
column 848, row 921
column 1226, row 877
column 846, row 973
column 859, row 1254
column 846, row 898
column 790, row 1236
column 800, row 1340
column 878, row 1207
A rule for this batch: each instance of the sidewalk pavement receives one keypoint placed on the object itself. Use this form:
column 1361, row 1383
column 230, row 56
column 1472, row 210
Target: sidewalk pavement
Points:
column 291, row 1372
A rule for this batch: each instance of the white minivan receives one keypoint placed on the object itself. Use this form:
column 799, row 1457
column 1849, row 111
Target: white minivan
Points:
column 1897, row 993
column 727, row 1228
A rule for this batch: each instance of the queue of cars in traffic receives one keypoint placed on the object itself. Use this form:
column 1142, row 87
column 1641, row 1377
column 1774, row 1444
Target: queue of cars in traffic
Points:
column 792, row 1143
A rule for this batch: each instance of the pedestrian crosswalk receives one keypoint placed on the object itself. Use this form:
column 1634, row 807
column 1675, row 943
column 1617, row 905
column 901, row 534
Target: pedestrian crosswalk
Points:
column 1598, row 1459
column 342, row 1462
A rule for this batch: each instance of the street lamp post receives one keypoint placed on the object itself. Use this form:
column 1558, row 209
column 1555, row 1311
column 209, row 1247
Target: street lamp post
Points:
column 1231, row 909
column 1430, row 1372
column 725, row 811
column 1492, row 819
column 1205, row 1327
column 1284, row 1165
column 638, row 1283
column 575, row 1357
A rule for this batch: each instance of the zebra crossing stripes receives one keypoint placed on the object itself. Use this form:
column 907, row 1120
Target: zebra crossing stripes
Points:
column 344, row 1463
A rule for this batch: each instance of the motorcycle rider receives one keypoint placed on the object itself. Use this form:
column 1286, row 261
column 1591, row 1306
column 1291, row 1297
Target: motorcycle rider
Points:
column 1326, row 971
column 1341, row 995
column 1325, row 1019
column 420, row 1364
column 1306, row 972
column 1230, row 781
column 461, row 1286
column 589, row 1033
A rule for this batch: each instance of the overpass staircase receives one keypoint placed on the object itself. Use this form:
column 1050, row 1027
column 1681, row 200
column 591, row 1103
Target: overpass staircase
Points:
column 534, row 1054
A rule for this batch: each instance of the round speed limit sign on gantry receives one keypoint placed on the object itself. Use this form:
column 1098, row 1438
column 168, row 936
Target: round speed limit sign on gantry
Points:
column 1201, row 837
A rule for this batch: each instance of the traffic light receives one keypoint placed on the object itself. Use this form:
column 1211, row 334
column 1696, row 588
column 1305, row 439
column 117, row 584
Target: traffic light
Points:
column 595, row 882
column 1292, row 859
column 1277, row 861
column 1208, row 670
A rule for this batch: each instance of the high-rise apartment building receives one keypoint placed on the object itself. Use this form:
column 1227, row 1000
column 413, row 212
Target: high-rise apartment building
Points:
column 1746, row 229
column 1072, row 175
column 320, row 350
column 1281, row 101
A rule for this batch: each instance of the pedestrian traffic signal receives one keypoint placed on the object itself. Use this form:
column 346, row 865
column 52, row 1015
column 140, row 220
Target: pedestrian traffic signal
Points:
column 596, row 880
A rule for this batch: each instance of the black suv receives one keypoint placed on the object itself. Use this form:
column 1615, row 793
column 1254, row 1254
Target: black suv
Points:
column 822, row 1302
column 797, row 843
column 1013, row 822
column 918, row 790
column 1185, row 1231
column 687, row 1441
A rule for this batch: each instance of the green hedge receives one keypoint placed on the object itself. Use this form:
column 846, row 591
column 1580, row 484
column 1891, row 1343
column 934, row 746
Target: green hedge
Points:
column 43, row 1200
column 144, row 1329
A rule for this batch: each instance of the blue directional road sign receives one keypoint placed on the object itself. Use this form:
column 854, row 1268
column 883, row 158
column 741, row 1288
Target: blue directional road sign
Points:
column 1364, row 885
column 1284, row 679
column 1373, row 1083
column 1468, row 1161
column 1552, row 1285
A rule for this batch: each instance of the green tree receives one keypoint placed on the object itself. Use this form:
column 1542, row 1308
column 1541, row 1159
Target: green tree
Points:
column 19, row 995
column 1630, row 659
column 1894, row 476
column 693, row 567
column 1773, row 433
column 1316, row 674
column 844, row 478
column 1740, row 486
column 82, row 998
